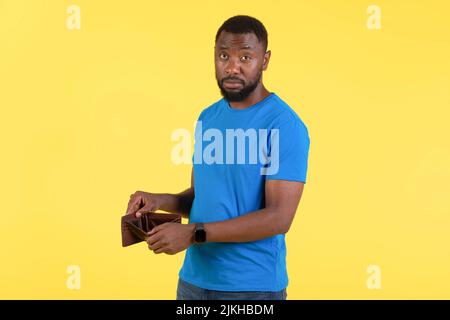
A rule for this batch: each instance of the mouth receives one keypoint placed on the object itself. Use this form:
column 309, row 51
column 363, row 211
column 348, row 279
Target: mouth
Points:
column 232, row 84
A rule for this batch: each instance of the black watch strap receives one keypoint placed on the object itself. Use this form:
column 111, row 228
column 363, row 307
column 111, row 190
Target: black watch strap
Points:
column 200, row 232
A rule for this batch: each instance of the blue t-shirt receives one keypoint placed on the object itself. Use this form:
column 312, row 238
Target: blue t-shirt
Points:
column 229, row 182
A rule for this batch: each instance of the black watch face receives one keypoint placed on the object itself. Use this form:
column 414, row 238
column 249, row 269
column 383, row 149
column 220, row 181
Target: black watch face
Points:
column 200, row 236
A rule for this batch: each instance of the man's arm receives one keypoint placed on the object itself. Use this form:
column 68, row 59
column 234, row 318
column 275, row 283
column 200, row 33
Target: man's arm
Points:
column 282, row 199
column 180, row 202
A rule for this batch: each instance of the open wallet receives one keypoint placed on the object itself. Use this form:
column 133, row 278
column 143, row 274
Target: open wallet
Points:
column 134, row 230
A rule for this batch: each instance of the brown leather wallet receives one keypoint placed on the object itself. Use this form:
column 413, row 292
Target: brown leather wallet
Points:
column 134, row 230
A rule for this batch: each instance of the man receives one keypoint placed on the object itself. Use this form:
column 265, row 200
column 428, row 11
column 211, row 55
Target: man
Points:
column 238, row 211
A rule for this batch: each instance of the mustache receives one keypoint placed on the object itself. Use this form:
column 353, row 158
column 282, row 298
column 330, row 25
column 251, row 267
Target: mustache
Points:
column 233, row 79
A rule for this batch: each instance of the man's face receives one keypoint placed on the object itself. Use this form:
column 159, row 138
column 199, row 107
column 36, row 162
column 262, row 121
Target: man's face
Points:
column 239, row 62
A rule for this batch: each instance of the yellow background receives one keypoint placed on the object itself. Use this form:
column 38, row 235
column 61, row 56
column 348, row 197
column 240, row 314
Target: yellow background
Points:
column 87, row 116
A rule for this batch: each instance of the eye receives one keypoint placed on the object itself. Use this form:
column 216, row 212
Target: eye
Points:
column 223, row 56
column 246, row 58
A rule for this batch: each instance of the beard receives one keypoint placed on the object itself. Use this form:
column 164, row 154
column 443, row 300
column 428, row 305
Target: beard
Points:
column 236, row 96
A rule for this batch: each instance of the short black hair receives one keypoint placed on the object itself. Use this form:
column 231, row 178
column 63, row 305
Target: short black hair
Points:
column 245, row 24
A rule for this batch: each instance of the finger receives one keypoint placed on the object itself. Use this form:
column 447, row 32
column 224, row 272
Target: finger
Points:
column 130, row 203
column 134, row 205
column 161, row 250
column 145, row 209
column 153, row 239
column 155, row 246
column 154, row 230
column 131, row 208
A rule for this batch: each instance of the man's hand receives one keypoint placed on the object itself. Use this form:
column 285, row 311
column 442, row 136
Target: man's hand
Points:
column 170, row 237
column 141, row 202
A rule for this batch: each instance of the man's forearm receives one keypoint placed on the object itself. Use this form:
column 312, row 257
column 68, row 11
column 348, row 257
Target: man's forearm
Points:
column 253, row 226
column 177, row 203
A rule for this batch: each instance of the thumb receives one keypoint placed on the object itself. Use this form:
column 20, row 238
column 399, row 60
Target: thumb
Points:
column 144, row 209
column 154, row 230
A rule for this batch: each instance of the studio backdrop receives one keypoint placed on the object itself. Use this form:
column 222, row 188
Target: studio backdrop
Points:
column 91, row 93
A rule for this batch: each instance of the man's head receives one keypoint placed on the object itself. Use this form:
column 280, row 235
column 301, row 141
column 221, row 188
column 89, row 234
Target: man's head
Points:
column 240, row 56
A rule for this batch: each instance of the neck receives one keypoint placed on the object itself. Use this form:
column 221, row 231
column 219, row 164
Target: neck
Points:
column 260, row 93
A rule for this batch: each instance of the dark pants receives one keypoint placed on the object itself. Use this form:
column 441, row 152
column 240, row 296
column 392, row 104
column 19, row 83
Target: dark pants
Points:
column 187, row 291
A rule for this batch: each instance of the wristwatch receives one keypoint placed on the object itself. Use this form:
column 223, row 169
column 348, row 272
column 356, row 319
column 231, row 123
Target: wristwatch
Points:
column 199, row 233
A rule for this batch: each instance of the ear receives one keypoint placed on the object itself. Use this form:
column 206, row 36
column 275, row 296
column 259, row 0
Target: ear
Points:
column 266, row 60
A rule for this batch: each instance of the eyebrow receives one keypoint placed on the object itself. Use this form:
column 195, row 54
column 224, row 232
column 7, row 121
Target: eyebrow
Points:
column 244, row 47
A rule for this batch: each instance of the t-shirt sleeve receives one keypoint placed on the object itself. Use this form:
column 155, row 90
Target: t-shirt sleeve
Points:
column 293, row 149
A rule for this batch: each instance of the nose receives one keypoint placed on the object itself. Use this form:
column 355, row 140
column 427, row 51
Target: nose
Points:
column 233, row 66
